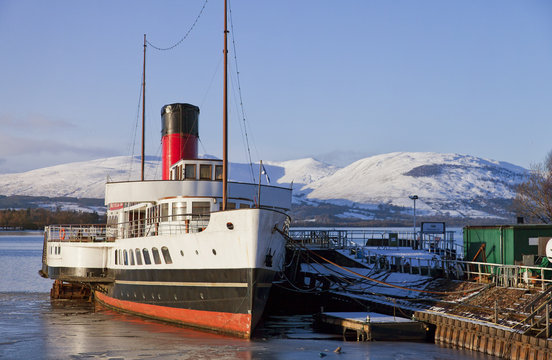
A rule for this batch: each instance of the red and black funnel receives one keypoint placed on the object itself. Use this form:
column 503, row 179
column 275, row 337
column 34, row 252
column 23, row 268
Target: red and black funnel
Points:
column 179, row 134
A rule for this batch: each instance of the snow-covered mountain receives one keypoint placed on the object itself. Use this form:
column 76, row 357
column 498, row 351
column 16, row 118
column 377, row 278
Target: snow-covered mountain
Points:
column 453, row 184
column 460, row 185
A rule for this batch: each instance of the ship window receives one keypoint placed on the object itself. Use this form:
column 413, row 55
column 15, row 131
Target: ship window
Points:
column 166, row 255
column 190, row 171
column 131, row 253
column 178, row 210
column 138, row 257
column 155, row 254
column 164, row 212
column 125, row 255
column 205, row 172
column 179, row 172
column 116, row 259
column 230, row 206
column 218, row 172
column 147, row 259
column 201, row 207
column 244, row 206
column 120, row 257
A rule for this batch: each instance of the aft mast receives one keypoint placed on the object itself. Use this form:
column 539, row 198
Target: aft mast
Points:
column 225, row 116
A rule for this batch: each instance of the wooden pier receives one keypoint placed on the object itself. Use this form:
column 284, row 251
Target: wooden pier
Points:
column 506, row 316
column 369, row 326
column 486, row 338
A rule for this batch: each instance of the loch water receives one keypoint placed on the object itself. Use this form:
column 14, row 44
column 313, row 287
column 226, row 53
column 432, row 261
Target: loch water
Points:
column 34, row 327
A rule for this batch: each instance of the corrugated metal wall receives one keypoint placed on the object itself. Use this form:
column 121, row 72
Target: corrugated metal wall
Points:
column 503, row 244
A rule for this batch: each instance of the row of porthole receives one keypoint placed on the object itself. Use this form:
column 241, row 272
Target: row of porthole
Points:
column 153, row 296
column 197, row 252
column 130, row 257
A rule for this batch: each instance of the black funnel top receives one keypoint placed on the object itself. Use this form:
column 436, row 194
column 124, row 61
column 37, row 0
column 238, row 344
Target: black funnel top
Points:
column 179, row 119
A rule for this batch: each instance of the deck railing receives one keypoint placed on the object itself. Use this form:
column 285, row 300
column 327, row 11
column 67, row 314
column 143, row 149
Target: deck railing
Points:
column 84, row 233
column 179, row 224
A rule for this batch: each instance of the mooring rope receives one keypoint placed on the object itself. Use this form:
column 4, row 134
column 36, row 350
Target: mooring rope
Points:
column 376, row 280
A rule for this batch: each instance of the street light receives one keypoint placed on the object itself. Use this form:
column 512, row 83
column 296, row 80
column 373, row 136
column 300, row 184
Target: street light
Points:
column 414, row 198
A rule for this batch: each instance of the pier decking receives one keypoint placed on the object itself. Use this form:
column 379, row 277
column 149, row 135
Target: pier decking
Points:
column 369, row 326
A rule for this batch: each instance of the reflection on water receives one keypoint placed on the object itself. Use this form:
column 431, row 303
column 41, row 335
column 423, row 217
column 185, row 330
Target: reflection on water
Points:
column 34, row 327
column 20, row 260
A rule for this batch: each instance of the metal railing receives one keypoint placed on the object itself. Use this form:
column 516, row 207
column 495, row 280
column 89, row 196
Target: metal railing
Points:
column 173, row 225
column 507, row 275
column 330, row 239
column 501, row 275
column 77, row 233
column 404, row 264
column 168, row 225
column 342, row 239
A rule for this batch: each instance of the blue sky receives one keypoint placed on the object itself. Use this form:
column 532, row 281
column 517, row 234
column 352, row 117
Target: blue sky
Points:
column 335, row 80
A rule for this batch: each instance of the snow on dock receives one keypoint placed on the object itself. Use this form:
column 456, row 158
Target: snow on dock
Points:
column 369, row 326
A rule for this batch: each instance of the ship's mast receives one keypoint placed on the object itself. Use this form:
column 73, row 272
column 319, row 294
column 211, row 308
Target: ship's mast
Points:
column 143, row 108
column 225, row 116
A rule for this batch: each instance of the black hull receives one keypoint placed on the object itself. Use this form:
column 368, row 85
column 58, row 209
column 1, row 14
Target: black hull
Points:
column 222, row 291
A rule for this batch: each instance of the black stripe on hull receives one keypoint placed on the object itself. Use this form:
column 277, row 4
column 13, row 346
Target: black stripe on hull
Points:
column 237, row 291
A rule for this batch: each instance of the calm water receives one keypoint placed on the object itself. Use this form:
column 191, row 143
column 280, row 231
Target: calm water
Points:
column 34, row 327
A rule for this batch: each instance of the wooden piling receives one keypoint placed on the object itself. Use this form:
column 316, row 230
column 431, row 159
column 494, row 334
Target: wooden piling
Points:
column 63, row 290
column 486, row 338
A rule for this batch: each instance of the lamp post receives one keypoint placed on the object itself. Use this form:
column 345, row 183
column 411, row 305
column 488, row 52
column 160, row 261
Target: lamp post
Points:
column 414, row 198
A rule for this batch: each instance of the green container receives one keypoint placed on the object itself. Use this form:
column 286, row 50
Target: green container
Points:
column 504, row 244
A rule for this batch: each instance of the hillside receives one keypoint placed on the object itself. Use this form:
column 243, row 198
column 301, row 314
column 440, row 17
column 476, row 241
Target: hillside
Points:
column 374, row 188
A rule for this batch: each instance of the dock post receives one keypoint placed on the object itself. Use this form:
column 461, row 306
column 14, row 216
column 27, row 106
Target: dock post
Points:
column 496, row 312
column 547, row 320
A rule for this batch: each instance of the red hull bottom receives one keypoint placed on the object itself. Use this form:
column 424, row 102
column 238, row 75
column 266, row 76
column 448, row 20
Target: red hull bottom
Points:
column 233, row 324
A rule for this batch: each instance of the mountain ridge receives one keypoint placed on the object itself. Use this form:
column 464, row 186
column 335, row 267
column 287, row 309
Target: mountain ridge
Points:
column 447, row 184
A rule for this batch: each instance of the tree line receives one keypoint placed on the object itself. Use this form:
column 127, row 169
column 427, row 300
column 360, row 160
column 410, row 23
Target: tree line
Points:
column 533, row 199
column 37, row 218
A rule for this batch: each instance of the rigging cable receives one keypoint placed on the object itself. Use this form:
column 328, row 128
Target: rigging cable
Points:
column 239, row 90
column 185, row 36
column 131, row 152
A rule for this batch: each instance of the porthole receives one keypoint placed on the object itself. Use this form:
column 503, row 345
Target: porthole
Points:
column 230, row 226
column 143, row 296
column 197, row 252
column 166, row 255
column 181, row 253
column 156, row 257
column 201, row 296
column 153, row 296
column 159, row 296
column 135, row 295
column 175, row 297
column 214, row 252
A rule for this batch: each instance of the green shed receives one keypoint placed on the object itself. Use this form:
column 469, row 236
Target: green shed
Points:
column 504, row 244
